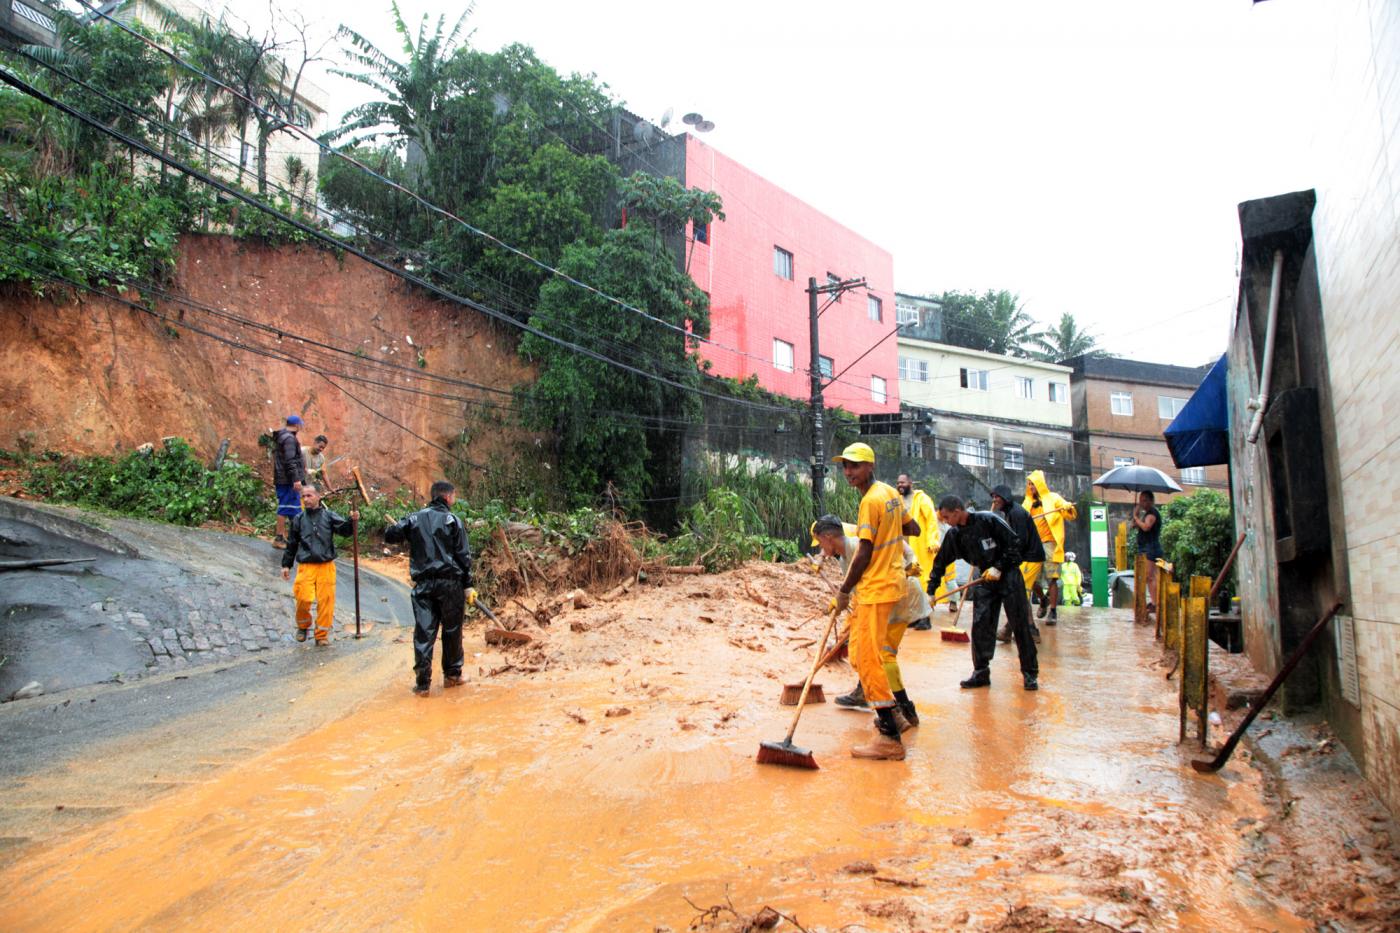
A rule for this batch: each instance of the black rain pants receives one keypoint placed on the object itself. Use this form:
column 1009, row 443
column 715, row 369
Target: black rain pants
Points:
column 439, row 601
column 988, row 600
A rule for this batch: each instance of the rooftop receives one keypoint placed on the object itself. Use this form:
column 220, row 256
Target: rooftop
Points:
column 1124, row 370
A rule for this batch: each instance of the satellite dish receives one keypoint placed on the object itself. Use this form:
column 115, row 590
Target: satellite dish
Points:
column 691, row 119
column 642, row 131
column 704, row 126
column 666, row 117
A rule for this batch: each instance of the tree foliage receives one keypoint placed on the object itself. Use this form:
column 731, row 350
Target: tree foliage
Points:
column 1065, row 341
column 1197, row 533
column 993, row 321
column 614, row 427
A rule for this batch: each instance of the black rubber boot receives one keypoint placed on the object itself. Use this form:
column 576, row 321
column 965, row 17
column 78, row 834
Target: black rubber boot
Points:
column 853, row 700
column 979, row 678
column 1052, row 619
column 1030, row 682
column 921, row 625
column 884, row 721
column 906, row 706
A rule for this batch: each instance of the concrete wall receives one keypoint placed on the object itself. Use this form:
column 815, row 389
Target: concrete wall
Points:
column 750, row 305
column 1357, row 230
column 944, row 391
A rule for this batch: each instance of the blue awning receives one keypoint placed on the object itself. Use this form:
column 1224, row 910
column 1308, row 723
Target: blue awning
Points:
column 1200, row 435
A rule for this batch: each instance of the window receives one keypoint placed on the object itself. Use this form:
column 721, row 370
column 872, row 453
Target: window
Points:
column 912, row 369
column 782, row 355
column 974, row 378
column 1124, row 461
column 1025, row 388
column 906, row 314
column 1169, row 407
column 1050, row 458
column 782, row 263
column 827, row 366
column 1059, row 392
column 875, row 308
column 877, row 389
column 972, row 451
column 913, row 448
column 1121, row 403
column 1193, row 476
column 831, row 282
column 702, row 233
column 1013, row 457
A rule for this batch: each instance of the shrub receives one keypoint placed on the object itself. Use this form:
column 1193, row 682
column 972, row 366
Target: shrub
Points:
column 1197, row 533
column 168, row 484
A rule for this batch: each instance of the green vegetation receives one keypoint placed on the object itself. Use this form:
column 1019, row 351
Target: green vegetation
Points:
column 167, row 484
column 1197, row 533
column 722, row 531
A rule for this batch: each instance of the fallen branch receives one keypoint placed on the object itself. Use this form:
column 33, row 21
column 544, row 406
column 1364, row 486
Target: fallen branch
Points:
column 48, row 562
column 897, row 882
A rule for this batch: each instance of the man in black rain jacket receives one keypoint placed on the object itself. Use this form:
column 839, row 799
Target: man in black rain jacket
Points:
column 986, row 541
column 440, row 563
column 311, row 546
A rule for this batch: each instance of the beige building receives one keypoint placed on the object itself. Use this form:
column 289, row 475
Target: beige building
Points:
column 1121, row 407
column 1316, row 494
column 231, row 152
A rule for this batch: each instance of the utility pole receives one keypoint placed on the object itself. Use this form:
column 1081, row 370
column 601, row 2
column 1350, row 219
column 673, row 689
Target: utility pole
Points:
column 835, row 290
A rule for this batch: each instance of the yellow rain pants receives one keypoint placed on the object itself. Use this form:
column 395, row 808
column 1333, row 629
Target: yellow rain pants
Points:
column 315, row 583
column 869, row 636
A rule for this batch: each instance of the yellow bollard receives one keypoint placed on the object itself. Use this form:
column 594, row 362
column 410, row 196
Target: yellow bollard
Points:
column 1171, row 613
column 1140, row 590
column 1120, row 547
column 1195, row 654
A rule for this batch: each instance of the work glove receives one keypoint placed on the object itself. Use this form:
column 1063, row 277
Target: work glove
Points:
column 840, row 602
column 471, row 596
column 813, row 565
column 911, row 569
column 992, row 575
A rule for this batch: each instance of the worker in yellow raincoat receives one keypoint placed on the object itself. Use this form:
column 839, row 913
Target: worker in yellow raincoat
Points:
column 919, row 506
column 1050, row 511
column 1071, row 579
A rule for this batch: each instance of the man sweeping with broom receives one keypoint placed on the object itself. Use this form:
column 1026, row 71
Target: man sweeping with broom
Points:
column 878, row 569
column 840, row 541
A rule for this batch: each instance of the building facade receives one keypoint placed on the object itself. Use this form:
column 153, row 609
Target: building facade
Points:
column 1120, row 409
column 755, row 265
column 1316, row 493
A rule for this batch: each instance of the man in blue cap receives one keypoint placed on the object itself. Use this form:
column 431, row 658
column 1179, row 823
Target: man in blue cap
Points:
column 288, row 473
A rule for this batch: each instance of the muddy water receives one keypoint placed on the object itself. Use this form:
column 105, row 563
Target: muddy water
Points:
column 491, row 808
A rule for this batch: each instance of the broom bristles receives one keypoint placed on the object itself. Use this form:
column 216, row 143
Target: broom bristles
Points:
column 785, row 753
column 954, row 634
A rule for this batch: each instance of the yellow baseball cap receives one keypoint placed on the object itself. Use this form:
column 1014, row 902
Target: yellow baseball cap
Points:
column 856, row 453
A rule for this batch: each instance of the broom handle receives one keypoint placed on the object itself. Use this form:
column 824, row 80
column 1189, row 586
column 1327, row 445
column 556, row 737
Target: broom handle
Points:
column 802, row 700
column 952, row 593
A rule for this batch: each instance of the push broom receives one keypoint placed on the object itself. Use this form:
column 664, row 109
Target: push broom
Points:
column 784, row 752
column 952, row 632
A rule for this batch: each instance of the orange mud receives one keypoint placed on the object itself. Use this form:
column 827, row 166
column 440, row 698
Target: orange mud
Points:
column 493, row 807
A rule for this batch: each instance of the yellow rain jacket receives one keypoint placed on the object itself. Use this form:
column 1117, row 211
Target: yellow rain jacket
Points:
column 1048, row 521
column 925, row 543
column 1071, row 579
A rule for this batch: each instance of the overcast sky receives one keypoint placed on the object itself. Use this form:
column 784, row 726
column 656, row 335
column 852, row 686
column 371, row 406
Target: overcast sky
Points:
column 1087, row 155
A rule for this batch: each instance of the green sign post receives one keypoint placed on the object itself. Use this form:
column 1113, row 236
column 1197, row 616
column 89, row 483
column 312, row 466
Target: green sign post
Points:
column 1098, row 552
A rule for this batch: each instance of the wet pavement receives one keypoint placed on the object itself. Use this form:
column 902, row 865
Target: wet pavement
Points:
column 526, row 806
column 153, row 598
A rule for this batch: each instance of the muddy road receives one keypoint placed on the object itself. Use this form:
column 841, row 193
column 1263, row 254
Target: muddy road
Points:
column 603, row 778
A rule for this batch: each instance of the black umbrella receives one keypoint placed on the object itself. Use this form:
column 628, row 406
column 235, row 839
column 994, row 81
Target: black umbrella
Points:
column 1137, row 478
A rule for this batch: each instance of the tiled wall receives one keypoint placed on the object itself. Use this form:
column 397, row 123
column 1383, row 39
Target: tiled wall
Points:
column 1357, row 233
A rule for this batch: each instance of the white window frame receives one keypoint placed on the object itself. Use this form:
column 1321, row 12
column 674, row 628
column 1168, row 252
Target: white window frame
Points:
column 875, row 309
column 1124, row 461
column 912, row 369
column 1059, row 392
column 972, row 451
column 782, row 263
column 906, row 314
column 1121, row 403
column 1025, row 387
column 1193, row 476
column 826, row 366
column 976, row 379
column 1013, row 457
column 784, row 355
column 879, row 389
column 1172, row 405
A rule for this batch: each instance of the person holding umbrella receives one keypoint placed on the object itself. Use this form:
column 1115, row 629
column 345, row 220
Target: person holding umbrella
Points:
column 1148, row 522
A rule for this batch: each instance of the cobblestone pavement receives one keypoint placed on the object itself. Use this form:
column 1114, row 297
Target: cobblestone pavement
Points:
column 178, row 597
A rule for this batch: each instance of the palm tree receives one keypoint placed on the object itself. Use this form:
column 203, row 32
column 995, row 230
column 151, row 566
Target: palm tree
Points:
column 1010, row 330
column 1065, row 341
column 411, row 89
